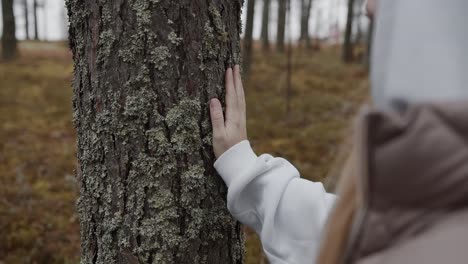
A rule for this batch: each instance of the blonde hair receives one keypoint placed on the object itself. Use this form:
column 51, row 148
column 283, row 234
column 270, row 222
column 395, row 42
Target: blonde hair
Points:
column 341, row 218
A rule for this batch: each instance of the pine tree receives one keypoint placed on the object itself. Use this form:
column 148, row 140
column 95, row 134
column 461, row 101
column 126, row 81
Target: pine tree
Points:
column 144, row 73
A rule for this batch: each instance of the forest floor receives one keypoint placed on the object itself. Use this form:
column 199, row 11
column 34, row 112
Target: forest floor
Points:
column 37, row 138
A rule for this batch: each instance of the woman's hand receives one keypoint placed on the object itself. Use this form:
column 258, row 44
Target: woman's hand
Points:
column 229, row 132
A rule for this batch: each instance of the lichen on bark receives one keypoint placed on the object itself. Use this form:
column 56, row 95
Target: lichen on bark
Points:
column 144, row 72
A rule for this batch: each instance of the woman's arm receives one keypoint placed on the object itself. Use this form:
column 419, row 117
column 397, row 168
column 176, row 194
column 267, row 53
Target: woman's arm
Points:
column 264, row 192
column 267, row 194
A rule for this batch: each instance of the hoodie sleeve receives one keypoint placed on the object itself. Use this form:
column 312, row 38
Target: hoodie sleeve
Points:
column 267, row 194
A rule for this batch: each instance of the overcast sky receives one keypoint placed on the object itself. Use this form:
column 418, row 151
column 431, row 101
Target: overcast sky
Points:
column 325, row 14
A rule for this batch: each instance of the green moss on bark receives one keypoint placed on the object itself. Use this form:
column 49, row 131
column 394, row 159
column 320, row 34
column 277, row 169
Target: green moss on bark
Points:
column 159, row 57
column 142, row 81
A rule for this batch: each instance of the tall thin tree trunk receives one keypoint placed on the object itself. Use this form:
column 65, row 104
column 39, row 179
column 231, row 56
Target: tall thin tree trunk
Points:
column 280, row 35
column 26, row 18
column 144, row 73
column 303, row 18
column 370, row 34
column 265, row 24
column 248, row 38
column 36, row 26
column 289, row 64
column 348, row 43
column 358, row 39
column 306, row 7
column 9, row 42
column 44, row 21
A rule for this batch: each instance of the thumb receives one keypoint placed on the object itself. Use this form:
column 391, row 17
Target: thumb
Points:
column 217, row 118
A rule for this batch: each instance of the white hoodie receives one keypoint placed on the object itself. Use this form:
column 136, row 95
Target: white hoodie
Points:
column 267, row 194
column 420, row 54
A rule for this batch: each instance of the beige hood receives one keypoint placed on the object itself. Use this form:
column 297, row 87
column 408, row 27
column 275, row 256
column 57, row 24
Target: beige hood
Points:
column 414, row 187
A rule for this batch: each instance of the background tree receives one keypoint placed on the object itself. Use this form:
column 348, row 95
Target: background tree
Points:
column 358, row 38
column 44, row 8
column 359, row 14
column 306, row 7
column 281, row 26
column 289, row 63
column 9, row 42
column 348, row 43
column 36, row 25
column 370, row 34
column 144, row 73
column 248, row 38
column 265, row 25
column 26, row 18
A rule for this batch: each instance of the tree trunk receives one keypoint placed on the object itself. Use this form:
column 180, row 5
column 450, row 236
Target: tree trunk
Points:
column 358, row 37
column 280, row 36
column 26, row 18
column 370, row 34
column 144, row 73
column 348, row 43
column 265, row 25
column 358, row 15
column 248, row 38
column 9, row 43
column 306, row 6
column 36, row 26
column 44, row 21
column 303, row 24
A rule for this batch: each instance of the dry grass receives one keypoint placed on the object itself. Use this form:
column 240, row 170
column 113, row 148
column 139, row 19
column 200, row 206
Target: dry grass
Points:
column 37, row 140
column 37, row 159
column 326, row 96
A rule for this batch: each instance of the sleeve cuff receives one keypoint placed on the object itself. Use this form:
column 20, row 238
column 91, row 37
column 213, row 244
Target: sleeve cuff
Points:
column 234, row 161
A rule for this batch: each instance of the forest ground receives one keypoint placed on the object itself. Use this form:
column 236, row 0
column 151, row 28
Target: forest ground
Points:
column 37, row 138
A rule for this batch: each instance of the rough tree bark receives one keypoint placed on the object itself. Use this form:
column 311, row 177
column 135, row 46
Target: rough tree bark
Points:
column 26, row 18
column 265, row 25
column 348, row 43
column 36, row 26
column 248, row 38
column 280, row 36
column 144, row 73
column 306, row 6
column 9, row 42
